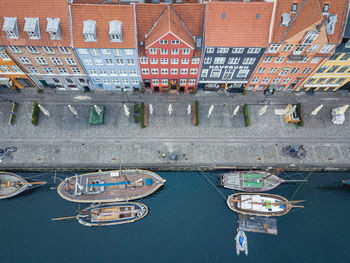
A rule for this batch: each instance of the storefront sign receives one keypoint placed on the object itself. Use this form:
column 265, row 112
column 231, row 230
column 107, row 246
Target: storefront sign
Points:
column 231, row 67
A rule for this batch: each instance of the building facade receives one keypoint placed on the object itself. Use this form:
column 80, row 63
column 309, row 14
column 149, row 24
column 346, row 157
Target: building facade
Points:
column 104, row 39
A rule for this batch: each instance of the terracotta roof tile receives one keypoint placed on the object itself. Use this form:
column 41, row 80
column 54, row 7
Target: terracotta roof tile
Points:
column 241, row 26
column 40, row 9
column 102, row 14
column 193, row 17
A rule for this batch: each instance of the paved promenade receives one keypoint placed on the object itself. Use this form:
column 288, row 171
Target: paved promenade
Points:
column 66, row 141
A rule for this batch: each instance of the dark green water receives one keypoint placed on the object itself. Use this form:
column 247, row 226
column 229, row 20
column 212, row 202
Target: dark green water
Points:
column 189, row 221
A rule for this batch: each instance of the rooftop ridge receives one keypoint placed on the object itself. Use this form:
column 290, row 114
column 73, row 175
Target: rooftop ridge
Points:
column 156, row 22
column 182, row 22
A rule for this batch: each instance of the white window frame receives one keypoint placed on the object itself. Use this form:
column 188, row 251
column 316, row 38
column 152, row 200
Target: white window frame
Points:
column 163, row 51
column 254, row 50
column 71, row 61
column 313, row 48
column 174, row 51
column 210, row 50
column 222, row 50
column 144, row 60
column 15, row 49
column 64, row 50
column 274, row 48
column 154, row 61
column 267, row 59
column 204, row 73
column 215, row 73
column 265, row 80
column 279, row 59
column 186, row 51
column 41, row 61
column 207, row 60
column 327, row 48
column 237, row 50
column 153, row 51
column 164, row 61
column 255, row 80
column 248, row 61
column 185, row 61
column 219, row 60
column 145, row 71
column 233, row 60
column 195, row 60
column 174, row 61
column 183, row 71
column 164, row 71
column 243, row 73
column 173, row 71
column 287, row 48
column 32, row 49
column 154, row 71
column 193, row 71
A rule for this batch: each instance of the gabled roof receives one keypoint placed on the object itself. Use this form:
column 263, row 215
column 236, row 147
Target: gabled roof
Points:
column 238, row 24
column 35, row 9
column 347, row 27
column 169, row 22
column 193, row 17
column 102, row 15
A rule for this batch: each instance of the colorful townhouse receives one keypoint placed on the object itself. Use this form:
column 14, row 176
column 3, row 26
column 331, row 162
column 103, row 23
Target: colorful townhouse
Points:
column 303, row 34
column 104, row 39
column 334, row 73
column 170, row 43
column 11, row 75
column 37, row 36
column 236, row 35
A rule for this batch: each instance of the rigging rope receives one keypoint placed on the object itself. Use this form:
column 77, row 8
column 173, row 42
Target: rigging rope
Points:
column 300, row 186
column 213, row 185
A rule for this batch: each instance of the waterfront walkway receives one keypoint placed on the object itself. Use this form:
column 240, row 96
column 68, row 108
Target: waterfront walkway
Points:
column 66, row 141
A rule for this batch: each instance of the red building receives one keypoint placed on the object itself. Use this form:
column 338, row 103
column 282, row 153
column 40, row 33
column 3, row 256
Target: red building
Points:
column 170, row 54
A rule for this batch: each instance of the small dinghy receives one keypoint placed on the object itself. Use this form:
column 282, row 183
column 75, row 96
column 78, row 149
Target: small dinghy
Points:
column 241, row 243
column 346, row 183
column 12, row 184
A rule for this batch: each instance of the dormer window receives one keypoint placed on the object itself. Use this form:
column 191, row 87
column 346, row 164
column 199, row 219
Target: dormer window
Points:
column 285, row 19
column 10, row 27
column 31, row 26
column 53, row 28
column 310, row 37
column 330, row 24
column 115, row 31
column 325, row 8
column 294, row 7
column 89, row 30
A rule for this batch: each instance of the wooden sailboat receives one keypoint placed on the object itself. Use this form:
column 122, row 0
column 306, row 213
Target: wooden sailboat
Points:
column 110, row 214
column 110, row 186
column 12, row 184
column 252, row 181
column 260, row 204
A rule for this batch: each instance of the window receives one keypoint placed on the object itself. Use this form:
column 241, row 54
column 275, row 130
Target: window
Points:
column 129, row 52
column 192, row 82
column 48, row 70
column 315, row 60
column 144, row 60
column 115, row 31
column 215, row 73
column 210, row 49
column 251, row 87
column 313, row 48
column 254, row 50
column 71, row 61
column 327, row 48
column 183, row 81
column 123, row 72
column 325, row 8
column 49, row 50
column 287, row 48
column 163, row 42
column 294, row 7
column 222, row 50
column 310, row 37
column 304, row 60
column 125, row 81
column 164, row 82
column 306, row 70
column 164, row 71
column 98, row 62
column 286, row 80
column 33, row 70
column 320, row 80
column 145, row 71
column 279, row 59
column 267, row 59
column 117, row 52
column 183, row 71
column 261, row 70
column 32, row 49
column 322, row 69
column 154, row 61
column 343, row 69
column 87, row 62
column 294, row 70
column 207, row 60
column 347, row 45
column 153, row 51
column 193, row 71
column 31, row 26
column 119, row 61
column 163, row 51
column 76, row 71
column 275, row 80
column 299, row 49
column 130, row 62
column 185, row 61
column 248, row 61
column 173, row 71
column 135, row 81
column 15, row 68
column 10, row 27
column 272, row 70
column 228, row 74
column 237, row 50
column 93, row 72
column 309, row 81
column 329, row 81
column 283, row 72
column 154, row 71
column 345, row 57
column 106, row 51
column 155, row 81
column 255, row 80
column 163, row 61
column 186, row 51
column 15, row 49
column 265, row 80
column 333, row 69
column 116, row 81
column 195, row 60
column 64, row 50
column 175, row 42
column 94, row 52
column 4, row 68
column 273, row 48
column 261, row 87
column 41, row 61
column 103, row 72
column 83, row 51
column 339, row 81
column 4, row 56
column 109, row 61
column 234, row 60
column 24, row 60
column 106, row 81
column 174, row 51
column 89, row 30
column 242, row 73
column 174, row 61
column 56, row 61
column 113, row 72
column 205, row 73
column 219, row 60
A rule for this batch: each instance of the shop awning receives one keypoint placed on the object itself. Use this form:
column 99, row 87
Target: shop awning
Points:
column 5, row 81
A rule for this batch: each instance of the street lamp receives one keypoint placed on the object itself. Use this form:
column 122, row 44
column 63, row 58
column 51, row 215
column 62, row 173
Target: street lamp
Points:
column 268, row 92
column 124, row 90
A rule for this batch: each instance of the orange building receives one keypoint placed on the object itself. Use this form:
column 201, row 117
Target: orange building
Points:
column 11, row 75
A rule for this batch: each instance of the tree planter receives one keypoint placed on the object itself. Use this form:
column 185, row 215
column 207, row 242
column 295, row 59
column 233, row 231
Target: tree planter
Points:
column 195, row 114
column 144, row 121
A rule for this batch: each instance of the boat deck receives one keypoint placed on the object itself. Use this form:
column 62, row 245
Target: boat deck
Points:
column 11, row 184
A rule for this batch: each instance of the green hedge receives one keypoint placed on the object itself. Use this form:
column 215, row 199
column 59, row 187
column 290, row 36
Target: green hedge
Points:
column 244, row 92
column 136, row 108
column 246, row 115
column 142, row 115
column 35, row 114
column 136, row 118
column 196, row 110
column 12, row 117
column 300, row 115
column 14, row 107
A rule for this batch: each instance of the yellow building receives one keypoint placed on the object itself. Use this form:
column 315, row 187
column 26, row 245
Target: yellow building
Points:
column 11, row 75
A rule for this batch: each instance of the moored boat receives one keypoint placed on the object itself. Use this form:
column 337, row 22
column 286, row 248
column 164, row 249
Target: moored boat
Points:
column 12, row 184
column 346, row 183
column 260, row 204
column 250, row 181
column 241, row 243
column 109, row 186
column 112, row 214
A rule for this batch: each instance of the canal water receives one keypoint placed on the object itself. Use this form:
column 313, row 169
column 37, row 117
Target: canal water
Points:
column 188, row 221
